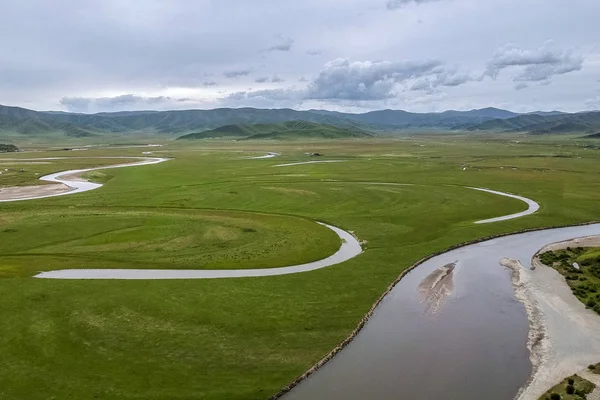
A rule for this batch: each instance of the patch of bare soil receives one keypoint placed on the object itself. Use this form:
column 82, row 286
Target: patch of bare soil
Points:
column 19, row 192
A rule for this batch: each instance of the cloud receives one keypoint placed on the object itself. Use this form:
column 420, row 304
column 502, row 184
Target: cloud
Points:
column 422, row 84
column 273, row 79
column 395, row 4
column 593, row 103
column 357, row 81
column 534, row 65
column 123, row 102
column 442, row 77
column 360, row 82
column 236, row 73
column 209, row 83
column 284, row 44
column 451, row 77
column 368, row 80
column 521, row 86
column 264, row 98
column 153, row 48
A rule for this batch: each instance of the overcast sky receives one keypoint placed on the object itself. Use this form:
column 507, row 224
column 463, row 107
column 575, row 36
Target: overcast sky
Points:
column 347, row 55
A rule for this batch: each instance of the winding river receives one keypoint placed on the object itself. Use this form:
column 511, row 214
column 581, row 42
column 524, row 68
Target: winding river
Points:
column 473, row 347
column 349, row 248
column 452, row 328
column 73, row 180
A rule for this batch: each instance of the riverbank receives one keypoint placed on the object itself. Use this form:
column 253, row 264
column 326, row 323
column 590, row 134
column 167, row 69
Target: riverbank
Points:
column 563, row 338
column 68, row 182
column 25, row 192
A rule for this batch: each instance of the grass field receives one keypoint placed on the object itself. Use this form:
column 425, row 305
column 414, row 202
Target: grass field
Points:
column 18, row 170
column 580, row 388
column 585, row 281
column 173, row 239
column 243, row 339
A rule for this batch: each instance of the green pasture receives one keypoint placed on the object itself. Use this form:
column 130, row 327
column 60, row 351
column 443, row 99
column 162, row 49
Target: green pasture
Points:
column 243, row 339
column 571, row 388
column 155, row 239
column 585, row 281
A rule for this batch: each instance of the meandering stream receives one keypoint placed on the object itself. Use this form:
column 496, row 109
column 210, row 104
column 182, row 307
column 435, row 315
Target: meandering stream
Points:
column 451, row 328
column 350, row 247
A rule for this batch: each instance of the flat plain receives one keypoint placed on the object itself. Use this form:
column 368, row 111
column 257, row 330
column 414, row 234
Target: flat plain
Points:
column 213, row 207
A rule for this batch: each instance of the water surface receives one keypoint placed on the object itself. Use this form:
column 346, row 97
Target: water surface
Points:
column 474, row 347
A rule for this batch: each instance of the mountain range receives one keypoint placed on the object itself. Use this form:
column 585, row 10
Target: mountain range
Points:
column 285, row 130
column 21, row 122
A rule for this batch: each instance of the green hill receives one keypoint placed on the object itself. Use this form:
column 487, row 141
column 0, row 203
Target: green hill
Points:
column 280, row 131
column 548, row 123
column 21, row 122
column 558, row 127
column 33, row 126
column 593, row 136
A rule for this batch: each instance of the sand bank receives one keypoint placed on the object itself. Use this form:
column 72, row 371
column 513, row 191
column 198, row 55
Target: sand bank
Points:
column 563, row 338
column 24, row 192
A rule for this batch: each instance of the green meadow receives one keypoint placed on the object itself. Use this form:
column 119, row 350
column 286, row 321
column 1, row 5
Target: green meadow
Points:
column 211, row 207
column 584, row 280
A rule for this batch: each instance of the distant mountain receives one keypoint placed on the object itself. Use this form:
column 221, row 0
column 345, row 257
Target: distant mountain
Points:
column 34, row 126
column 489, row 112
column 16, row 121
column 549, row 123
column 281, row 131
column 403, row 119
column 18, row 112
column 547, row 113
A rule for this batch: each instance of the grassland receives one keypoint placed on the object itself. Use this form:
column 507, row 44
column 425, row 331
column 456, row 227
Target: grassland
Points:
column 579, row 389
column 585, row 281
column 299, row 130
column 19, row 169
column 146, row 239
column 242, row 339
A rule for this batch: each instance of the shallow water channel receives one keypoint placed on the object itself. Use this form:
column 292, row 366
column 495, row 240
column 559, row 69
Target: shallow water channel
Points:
column 471, row 345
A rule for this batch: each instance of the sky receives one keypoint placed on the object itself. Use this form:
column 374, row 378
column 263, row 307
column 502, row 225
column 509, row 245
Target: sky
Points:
column 345, row 55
